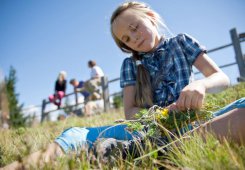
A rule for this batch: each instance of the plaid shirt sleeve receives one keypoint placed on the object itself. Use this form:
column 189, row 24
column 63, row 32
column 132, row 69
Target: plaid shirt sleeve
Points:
column 128, row 71
column 190, row 47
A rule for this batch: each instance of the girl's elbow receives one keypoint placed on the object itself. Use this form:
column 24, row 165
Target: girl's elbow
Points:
column 129, row 114
column 227, row 81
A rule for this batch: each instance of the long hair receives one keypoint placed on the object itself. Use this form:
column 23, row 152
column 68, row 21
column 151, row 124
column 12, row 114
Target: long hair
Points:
column 143, row 94
column 62, row 75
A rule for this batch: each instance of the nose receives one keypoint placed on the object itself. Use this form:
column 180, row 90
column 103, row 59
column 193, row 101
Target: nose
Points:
column 135, row 36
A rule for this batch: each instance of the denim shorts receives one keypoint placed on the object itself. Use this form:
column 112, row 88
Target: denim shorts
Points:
column 76, row 138
column 240, row 103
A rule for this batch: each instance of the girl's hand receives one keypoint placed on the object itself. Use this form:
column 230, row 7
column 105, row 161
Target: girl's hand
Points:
column 172, row 107
column 192, row 96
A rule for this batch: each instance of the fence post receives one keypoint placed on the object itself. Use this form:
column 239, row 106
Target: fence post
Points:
column 105, row 91
column 43, row 110
column 238, row 53
column 76, row 98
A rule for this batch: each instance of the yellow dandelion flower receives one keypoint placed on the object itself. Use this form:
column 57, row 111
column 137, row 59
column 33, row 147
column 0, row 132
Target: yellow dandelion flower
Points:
column 158, row 116
column 164, row 113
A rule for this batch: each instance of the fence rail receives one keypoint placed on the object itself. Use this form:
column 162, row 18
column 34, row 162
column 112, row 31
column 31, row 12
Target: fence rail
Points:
column 45, row 102
column 236, row 39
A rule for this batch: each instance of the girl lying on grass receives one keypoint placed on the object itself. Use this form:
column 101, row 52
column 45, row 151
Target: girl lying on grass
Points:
column 159, row 72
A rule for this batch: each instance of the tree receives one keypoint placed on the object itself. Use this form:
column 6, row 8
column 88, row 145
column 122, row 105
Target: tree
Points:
column 117, row 102
column 16, row 117
column 4, row 109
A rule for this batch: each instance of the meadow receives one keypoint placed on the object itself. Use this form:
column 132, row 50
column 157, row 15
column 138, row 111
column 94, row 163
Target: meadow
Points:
column 193, row 153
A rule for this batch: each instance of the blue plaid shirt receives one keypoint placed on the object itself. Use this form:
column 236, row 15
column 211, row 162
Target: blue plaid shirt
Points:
column 170, row 67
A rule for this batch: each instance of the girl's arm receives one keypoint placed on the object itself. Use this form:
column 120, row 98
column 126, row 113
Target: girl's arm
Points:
column 215, row 81
column 192, row 96
column 130, row 108
column 56, row 86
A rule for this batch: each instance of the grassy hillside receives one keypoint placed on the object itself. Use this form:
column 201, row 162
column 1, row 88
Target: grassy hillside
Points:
column 193, row 153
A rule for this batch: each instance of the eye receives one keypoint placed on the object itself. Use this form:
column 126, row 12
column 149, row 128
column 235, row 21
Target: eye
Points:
column 126, row 39
column 134, row 27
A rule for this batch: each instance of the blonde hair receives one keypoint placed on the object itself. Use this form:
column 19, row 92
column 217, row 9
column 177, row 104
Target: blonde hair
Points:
column 143, row 95
column 62, row 74
column 141, row 9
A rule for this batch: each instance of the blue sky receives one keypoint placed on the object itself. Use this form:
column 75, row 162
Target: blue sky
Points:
column 41, row 38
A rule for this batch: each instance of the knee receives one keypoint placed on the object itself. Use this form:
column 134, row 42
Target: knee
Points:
column 240, row 118
column 73, row 139
column 238, row 125
column 61, row 94
column 51, row 98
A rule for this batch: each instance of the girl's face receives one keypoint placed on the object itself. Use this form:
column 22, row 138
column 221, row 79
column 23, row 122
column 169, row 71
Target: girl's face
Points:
column 61, row 77
column 137, row 32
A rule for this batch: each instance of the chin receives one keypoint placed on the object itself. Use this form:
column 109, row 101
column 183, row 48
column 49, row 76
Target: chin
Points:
column 148, row 48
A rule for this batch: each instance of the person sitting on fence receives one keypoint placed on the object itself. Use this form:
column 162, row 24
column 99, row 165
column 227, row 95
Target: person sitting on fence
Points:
column 79, row 87
column 60, row 89
column 91, row 107
column 95, row 79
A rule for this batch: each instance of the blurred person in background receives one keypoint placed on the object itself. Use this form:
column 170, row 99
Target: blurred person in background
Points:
column 60, row 89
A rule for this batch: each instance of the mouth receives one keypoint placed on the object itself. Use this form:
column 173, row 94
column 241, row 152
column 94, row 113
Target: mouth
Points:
column 141, row 43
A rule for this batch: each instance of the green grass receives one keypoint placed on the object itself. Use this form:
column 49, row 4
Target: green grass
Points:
column 190, row 154
column 197, row 154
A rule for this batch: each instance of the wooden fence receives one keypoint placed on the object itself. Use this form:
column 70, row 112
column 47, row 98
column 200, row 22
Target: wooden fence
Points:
column 236, row 40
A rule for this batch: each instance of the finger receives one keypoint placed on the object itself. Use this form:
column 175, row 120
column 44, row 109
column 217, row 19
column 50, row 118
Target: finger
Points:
column 188, row 102
column 169, row 106
column 181, row 102
column 172, row 107
column 199, row 99
column 200, row 102
column 194, row 102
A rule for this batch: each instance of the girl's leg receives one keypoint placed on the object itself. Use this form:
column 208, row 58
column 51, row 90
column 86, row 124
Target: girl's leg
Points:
column 37, row 158
column 118, row 132
column 60, row 94
column 57, row 102
column 51, row 98
column 55, row 99
column 58, row 98
column 229, row 125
